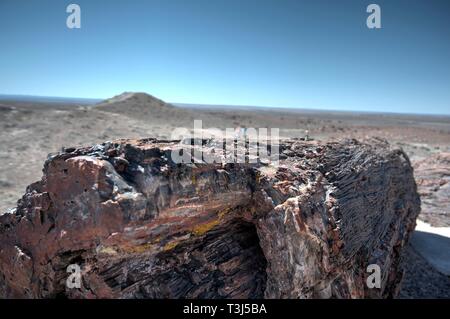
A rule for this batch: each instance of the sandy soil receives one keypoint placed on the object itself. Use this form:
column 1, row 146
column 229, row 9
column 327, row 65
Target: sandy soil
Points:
column 32, row 130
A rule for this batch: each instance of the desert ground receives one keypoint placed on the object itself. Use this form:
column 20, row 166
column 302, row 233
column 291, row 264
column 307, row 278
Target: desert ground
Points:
column 33, row 129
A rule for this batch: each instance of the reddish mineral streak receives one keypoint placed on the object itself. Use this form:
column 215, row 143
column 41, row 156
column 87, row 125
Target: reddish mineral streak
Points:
column 141, row 226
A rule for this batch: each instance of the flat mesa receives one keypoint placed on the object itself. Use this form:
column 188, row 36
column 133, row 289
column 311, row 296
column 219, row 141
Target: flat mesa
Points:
column 193, row 309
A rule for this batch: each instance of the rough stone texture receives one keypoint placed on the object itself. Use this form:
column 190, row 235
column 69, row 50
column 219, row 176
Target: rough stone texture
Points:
column 141, row 226
column 433, row 182
column 421, row 279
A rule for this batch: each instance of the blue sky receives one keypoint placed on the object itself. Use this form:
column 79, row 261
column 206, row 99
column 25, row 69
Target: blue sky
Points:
column 306, row 54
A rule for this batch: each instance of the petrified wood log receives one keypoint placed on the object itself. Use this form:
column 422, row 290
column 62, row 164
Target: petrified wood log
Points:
column 141, row 226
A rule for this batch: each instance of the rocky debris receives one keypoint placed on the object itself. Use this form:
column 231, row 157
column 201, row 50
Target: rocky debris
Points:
column 433, row 183
column 141, row 226
column 422, row 280
column 6, row 108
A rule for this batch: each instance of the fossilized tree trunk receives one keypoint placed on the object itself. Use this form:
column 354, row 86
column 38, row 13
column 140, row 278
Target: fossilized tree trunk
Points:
column 141, row 226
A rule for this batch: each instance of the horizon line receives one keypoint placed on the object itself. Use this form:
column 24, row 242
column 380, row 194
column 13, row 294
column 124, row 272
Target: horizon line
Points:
column 227, row 105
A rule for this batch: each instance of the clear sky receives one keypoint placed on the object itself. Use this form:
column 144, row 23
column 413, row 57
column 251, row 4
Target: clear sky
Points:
column 307, row 54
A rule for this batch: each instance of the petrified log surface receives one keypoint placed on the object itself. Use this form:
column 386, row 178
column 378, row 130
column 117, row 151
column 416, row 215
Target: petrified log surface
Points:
column 141, row 226
column 433, row 182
